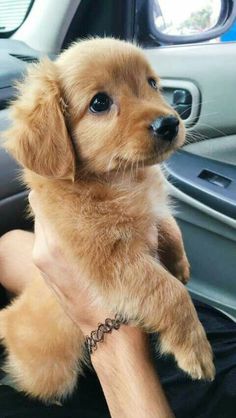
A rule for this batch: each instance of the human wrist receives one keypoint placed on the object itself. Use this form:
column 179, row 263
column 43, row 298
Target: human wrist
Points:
column 120, row 344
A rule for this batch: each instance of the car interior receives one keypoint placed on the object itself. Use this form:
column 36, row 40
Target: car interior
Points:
column 197, row 78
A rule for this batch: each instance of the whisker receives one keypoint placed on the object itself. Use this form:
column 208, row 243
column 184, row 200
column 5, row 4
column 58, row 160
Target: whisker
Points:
column 131, row 171
column 137, row 166
column 124, row 171
column 213, row 128
column 118, row 168
column 197, row 105
column 194, row 136
column 110, row 162
column 200, row 115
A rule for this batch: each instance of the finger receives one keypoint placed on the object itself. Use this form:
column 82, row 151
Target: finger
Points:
column 45, row 245
column 39, row 232
column 35, row 204
column 40, row 248
column 32, row 199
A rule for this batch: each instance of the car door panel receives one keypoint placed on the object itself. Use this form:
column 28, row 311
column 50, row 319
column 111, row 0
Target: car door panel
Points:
column 218, row 149
column 209, row 230
column 210, row 242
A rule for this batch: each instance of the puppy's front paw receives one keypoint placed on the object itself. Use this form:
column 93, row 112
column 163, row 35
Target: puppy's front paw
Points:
column 197, row 358
column 181, row 269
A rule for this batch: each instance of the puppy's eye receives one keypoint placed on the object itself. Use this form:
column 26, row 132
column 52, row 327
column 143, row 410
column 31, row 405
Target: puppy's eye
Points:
column 152, row 82
column 100, row 103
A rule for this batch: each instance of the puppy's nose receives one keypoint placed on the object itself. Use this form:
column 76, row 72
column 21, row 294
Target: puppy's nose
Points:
column 165, row 127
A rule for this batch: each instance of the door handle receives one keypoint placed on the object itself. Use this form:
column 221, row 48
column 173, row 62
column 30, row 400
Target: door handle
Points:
column 184, row 96
column 182, row 102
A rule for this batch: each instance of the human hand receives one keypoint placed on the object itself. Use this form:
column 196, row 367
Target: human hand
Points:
column 63, row 276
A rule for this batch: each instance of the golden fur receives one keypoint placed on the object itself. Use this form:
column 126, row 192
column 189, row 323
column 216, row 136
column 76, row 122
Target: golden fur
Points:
column 101, row 186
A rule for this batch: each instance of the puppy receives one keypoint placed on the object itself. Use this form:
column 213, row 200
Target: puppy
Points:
column 91, row 130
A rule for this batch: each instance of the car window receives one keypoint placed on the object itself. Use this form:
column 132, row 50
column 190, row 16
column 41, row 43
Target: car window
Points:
column 12, row 15
column 191, row 18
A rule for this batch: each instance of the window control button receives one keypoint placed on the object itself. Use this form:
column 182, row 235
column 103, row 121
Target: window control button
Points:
column 214, row 178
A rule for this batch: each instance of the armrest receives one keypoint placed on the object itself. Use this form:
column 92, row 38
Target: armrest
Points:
column 211, row 182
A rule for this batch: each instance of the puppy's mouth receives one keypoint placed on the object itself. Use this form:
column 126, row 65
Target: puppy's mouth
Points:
column 145, row 160
column 159, row 152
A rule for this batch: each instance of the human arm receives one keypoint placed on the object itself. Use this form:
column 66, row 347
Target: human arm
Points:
column 127, row 376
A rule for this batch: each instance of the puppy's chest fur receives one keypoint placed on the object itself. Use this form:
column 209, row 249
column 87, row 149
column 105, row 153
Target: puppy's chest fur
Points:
column 99, row 220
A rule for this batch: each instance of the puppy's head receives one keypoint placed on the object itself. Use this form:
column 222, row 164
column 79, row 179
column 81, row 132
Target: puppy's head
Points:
column 98, row 107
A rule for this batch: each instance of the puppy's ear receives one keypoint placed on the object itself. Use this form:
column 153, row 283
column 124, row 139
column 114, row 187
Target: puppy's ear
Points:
column 38, row 138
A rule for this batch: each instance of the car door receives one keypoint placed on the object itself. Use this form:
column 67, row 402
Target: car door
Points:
column 200, row 80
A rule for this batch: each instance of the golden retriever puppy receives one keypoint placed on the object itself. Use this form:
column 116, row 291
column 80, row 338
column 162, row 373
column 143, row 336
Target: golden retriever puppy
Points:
column 90, row 130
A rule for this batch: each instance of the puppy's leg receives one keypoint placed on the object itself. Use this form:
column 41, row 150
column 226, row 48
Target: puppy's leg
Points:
column 44, row 346
column 160, row 303
column 171, row 249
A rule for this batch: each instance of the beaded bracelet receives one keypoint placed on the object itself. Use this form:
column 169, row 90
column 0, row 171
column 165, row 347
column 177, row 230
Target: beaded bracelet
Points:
column 98, row 335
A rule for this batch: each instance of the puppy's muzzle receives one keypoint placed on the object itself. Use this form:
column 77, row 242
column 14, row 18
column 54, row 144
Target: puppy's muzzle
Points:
column 165, row 128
